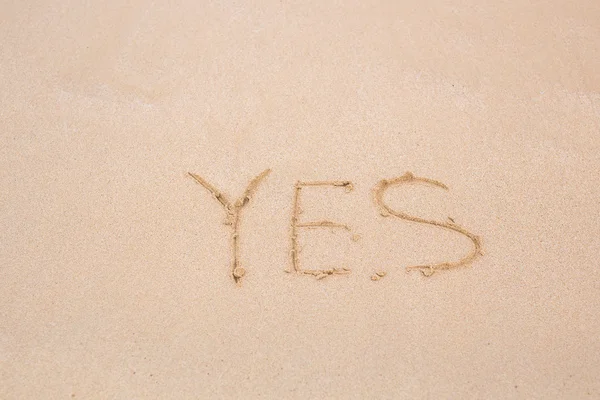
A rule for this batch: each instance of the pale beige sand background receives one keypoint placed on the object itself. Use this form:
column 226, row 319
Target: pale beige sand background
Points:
column 114, row 265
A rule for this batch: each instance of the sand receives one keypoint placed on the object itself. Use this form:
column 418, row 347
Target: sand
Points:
column 118, row 273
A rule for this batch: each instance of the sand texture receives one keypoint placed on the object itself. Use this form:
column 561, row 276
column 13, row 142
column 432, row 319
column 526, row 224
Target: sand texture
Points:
column 300, row 200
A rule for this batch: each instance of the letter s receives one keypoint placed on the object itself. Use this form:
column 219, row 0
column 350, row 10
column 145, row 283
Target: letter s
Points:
column 385, row 210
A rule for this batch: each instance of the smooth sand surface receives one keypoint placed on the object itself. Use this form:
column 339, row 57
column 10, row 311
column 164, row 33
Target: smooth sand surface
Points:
column 115, row 265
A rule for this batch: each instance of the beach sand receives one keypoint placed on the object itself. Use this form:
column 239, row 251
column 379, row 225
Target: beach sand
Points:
column 116, row 265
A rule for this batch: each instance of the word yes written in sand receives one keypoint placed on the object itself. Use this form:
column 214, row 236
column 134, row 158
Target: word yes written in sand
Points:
column 234, row 211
